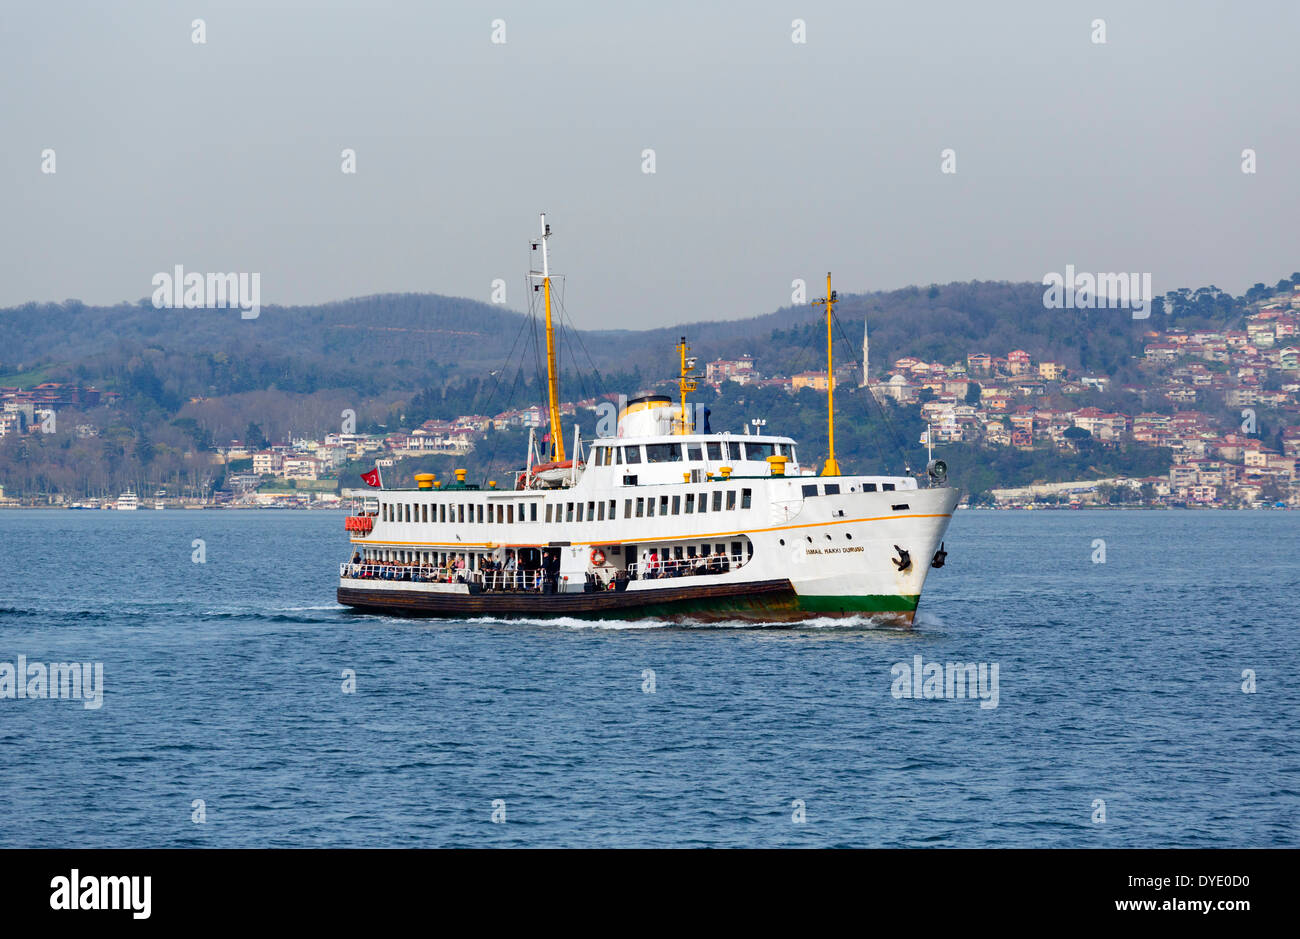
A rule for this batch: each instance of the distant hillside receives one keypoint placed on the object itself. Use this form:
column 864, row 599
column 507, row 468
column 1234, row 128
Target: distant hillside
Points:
column 398, row 344
column 192, row 379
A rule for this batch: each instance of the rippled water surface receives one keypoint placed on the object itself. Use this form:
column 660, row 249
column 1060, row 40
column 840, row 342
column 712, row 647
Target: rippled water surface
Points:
column 1118, row 681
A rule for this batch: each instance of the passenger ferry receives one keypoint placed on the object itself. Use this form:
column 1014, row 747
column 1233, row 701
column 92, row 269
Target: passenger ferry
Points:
column 666, row 519
column 128, row 501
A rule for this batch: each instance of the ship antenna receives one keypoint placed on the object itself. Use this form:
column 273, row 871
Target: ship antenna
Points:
column 686, row 382
column 832, row 467
column 552, row 382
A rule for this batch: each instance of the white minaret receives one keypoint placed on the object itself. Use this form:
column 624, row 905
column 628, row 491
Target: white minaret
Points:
column 865, row 347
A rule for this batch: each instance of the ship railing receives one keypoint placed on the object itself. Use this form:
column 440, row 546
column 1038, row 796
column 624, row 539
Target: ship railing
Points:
column 415, row 573
column 686, row 567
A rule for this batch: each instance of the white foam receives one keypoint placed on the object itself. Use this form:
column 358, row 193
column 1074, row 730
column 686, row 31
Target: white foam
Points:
column 568, row 622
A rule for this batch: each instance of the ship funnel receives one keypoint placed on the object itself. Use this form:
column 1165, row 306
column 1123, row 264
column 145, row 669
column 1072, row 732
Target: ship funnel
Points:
column 648, row 416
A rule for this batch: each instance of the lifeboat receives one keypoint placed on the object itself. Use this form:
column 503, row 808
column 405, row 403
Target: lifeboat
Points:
column 550, row 475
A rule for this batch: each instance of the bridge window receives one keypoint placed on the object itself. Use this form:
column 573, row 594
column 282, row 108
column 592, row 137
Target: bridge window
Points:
column 886, row 487
column 759, row 451
column 868, row 487
column 832, row 489
column 809, row 491
column 663, row 453
column 694, row 451
column 632, row 454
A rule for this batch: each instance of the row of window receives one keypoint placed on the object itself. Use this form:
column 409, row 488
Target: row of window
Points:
column 719, row 451
column 443, row 513
column 833, row 489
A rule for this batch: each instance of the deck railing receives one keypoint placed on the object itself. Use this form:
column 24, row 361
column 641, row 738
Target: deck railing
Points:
column 538, row 580
column 686, row 567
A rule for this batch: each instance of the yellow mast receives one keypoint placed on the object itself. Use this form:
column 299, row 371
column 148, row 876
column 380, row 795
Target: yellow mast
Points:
column 685, row 382
column 832, row 467
column 552, row 382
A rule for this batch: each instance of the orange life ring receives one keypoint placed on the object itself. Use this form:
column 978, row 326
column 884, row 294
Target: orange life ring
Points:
column 597, row 557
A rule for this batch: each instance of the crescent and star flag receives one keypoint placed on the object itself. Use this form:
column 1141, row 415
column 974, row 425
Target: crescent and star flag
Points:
column 372, row 478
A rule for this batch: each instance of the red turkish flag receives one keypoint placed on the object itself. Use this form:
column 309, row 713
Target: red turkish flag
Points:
column 372, row 478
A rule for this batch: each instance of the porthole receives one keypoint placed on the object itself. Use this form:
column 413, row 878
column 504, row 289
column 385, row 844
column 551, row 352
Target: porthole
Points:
column 828, row 537
column 848, row 537
column 810, row 539
column 783, row 542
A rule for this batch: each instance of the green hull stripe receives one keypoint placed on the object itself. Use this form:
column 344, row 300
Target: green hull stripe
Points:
column 870, row 603
column 779, row 607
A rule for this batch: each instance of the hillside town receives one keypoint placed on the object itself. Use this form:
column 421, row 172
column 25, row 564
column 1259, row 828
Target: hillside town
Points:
column 1200, row 395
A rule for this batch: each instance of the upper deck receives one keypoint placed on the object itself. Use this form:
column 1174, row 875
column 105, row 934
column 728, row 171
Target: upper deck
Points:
column 676, row 458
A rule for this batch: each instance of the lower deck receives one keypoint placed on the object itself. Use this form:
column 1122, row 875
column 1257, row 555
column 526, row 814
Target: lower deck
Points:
column 766, row 601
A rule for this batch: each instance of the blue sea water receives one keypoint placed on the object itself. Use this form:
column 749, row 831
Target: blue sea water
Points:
column 223, row 682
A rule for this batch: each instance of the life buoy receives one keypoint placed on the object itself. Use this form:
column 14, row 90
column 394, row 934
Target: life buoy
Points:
column 597, row 557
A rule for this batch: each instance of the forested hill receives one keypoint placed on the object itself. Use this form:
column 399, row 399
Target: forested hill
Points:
column 395, row 344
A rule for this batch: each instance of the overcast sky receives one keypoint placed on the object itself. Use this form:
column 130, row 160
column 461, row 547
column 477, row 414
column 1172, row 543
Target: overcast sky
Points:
column 774, row 160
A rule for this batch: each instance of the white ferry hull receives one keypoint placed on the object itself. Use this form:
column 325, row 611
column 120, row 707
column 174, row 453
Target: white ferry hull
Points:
column 832, row 557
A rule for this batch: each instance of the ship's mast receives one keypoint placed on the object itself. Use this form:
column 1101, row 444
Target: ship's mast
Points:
column 552, row 382
column 832, row 467
column 685, row 382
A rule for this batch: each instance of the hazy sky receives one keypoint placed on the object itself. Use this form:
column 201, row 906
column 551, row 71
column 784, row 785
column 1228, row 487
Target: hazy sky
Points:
column 774, row 160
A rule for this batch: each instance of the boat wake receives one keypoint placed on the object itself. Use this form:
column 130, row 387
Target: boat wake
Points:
column 828, row 623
